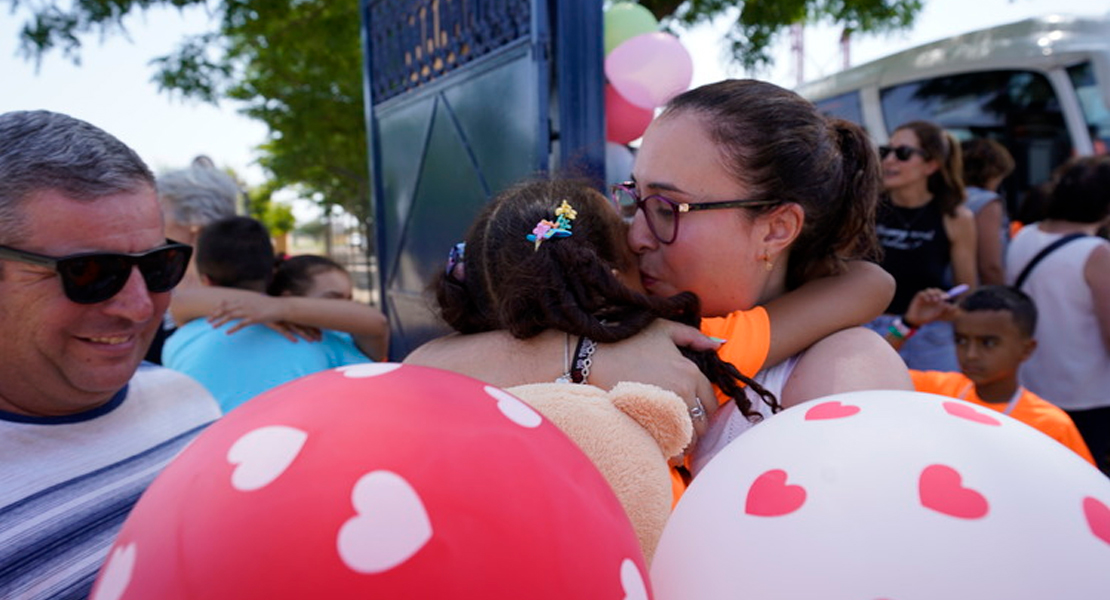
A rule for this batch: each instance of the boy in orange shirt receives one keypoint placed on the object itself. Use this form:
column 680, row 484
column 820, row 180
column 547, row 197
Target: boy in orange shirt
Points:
column 994, row 334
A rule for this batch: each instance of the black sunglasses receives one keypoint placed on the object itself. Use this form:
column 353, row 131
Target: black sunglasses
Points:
column 902, row 153
column 94, row 277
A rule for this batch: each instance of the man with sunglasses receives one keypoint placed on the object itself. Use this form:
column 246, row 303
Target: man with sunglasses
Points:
column 85, row 277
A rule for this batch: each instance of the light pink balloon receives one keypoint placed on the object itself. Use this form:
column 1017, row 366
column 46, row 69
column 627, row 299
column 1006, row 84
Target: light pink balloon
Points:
column 624, row 121
column 888, row 494
column 650, row 69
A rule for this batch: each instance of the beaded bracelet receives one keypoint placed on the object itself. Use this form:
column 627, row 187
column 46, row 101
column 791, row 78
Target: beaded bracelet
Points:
column 900, row 330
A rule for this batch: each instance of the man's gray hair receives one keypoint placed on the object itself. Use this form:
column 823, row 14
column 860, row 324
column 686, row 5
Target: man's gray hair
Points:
column 42, row 150
column 198, row 195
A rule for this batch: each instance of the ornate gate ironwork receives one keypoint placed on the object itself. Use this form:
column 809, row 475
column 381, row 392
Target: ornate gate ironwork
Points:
column 465, row 97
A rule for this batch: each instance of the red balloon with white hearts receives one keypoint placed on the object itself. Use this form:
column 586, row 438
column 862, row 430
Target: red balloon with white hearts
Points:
column 889, row 495
column 378, row 481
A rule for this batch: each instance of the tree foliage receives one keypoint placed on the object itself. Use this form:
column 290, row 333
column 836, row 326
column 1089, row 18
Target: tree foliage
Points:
column 758, row 22
column 297, row 66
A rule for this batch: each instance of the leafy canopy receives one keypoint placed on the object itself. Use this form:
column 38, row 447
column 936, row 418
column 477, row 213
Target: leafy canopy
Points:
column 758, row 22
column 297, row 66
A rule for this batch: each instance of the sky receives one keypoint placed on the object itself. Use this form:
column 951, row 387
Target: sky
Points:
column 111, row 88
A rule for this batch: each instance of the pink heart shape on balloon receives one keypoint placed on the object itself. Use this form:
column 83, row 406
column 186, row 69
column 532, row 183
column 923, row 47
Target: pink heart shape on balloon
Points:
column 941, row 489
column 831, row 410
column 771, row 496
column 1098, row 518
column 964, row 411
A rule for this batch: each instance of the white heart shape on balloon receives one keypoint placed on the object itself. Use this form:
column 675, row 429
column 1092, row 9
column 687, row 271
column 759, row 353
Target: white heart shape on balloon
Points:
column 117, row 575
column 390, row 524
column 262, row 455
column 363, row 370
column 514, row 409
column 632, row 581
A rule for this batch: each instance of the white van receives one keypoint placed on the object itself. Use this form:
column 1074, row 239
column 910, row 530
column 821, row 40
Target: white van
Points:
column 1038, row 86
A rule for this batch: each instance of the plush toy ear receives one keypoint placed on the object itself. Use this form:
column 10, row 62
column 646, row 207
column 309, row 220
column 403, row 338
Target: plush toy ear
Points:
column 662, row 413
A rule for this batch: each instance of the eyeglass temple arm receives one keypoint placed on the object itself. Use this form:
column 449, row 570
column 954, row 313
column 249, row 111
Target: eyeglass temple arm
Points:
column 27, row 257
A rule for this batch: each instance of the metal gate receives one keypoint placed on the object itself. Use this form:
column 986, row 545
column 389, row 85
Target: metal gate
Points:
column 465, row 97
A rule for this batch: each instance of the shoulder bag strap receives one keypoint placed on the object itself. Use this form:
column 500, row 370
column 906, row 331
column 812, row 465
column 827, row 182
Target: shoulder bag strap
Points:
column 1043, row 253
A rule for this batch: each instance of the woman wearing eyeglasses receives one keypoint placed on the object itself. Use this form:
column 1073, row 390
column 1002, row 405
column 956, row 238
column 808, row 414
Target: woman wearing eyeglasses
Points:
column 742, row 192
column 927, row 234
column 705, row 219
column 545, row 288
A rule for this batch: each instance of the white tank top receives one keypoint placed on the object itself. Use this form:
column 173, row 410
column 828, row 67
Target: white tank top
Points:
column 1071, row 366
column 728, row 423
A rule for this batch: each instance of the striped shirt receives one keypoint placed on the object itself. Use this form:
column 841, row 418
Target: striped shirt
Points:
column 67, row 483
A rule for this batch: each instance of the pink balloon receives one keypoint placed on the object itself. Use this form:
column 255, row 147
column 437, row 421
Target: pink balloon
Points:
column 650, row 69
column 378, row 480
column 944, row 510
column 624, row 121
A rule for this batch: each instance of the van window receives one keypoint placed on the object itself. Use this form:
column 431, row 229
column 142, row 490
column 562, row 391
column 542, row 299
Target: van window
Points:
column 1093, row 104
column 1020, row 109
column 844, row 106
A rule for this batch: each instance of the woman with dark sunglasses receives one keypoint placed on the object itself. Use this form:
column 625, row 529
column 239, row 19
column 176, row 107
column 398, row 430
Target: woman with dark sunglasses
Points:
column 927, row 234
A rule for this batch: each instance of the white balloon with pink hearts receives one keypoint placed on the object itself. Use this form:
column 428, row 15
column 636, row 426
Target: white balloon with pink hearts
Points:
column 889, row 495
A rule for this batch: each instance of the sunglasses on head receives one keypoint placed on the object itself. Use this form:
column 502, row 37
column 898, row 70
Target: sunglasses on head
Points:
column 93, row 277
column 902, row 153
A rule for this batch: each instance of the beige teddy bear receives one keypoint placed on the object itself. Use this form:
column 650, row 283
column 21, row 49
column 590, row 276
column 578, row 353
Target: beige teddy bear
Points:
column 629, row 433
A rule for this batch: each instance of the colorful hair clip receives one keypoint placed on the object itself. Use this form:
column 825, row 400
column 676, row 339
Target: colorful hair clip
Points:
column 455, row 261
column 545, row 230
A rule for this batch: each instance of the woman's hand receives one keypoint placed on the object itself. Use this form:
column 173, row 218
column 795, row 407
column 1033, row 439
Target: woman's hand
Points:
column 652, row 356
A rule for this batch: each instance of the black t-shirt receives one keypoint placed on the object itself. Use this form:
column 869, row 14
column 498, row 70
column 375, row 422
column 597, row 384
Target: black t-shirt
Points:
column 916, row 250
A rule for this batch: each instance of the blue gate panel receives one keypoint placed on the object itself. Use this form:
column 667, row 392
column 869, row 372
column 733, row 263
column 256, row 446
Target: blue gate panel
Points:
column 444, row 150
column 460, row 105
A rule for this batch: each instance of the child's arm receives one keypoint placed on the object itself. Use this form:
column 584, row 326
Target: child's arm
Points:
column 201, row 301
column 928, row 305
column 962, row 246
column 1097, row 274
column 366, row 324
column 988, row 222
column 826, row 305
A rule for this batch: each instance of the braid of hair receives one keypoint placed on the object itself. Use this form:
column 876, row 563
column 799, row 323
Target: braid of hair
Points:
column 463, row 304
column 592, row 302
column 685, row 308
column 458, row 308
column 725, row 375
column 566, row 284
column 567, row 287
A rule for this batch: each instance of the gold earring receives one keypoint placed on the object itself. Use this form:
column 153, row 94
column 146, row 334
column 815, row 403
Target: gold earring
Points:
column 767, row 263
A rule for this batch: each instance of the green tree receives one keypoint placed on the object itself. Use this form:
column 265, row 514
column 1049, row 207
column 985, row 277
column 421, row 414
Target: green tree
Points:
column 758, row 22
column 297, row 66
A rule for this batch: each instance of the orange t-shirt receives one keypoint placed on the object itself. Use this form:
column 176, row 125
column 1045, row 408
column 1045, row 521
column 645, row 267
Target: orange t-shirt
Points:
column 1030, row 408
column 749, row 339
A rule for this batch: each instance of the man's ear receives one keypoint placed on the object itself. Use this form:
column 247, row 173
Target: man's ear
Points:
column 1027, row 351
column 782, row 225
